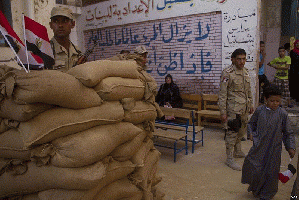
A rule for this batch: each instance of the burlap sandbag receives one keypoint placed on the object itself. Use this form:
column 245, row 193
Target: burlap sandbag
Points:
column 37, row 179
column 11, row 110
column 148, row 127
column 60, row 194
column 3, row 125
column 115, row 171
column 120, row 189
column 53, row 87
column 92, row 73
column 117, row 88
column 145, row 173
column 142, row 112
column 59, row 122
column 12, row 146
column 127, row 150
column 86, row 147
column 49, row 177
column 117, row 190
column 139, row 157
column 28, row 197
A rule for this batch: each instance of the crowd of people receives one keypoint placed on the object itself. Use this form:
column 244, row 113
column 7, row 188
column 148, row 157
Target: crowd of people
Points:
column 268, row 126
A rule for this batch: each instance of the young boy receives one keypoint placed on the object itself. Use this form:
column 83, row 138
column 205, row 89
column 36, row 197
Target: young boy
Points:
column 268, row 127
column 281, row 79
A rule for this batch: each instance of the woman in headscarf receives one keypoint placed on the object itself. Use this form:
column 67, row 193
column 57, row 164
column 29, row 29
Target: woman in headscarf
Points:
column 294, row 72
column 169, row 94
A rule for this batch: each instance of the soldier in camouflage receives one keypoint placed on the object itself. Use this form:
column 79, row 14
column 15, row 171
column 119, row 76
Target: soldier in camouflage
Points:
column 235, row 104
column 66, row 54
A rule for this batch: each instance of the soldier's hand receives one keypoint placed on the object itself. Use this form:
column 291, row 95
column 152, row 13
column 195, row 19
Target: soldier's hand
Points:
column 291, row 153
column 251, row 110
column 250, row 137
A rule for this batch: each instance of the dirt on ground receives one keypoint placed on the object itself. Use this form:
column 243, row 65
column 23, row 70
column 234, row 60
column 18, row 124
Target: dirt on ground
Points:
column 204, row 176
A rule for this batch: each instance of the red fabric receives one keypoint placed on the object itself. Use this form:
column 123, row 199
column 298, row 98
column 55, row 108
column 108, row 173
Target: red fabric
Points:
column 8, row 32
column 36, row 28
column 296, row 50
column 283, row 178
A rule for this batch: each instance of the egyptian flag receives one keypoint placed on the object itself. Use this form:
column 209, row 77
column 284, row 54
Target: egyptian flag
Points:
column 38, row 42
column 13, row 40
column 288, row 174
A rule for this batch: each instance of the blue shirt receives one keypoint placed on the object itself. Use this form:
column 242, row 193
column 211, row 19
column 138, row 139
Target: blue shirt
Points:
column 262, row 68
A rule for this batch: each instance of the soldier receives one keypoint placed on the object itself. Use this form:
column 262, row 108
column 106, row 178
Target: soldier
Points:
column 235, row 103
column 66, row 54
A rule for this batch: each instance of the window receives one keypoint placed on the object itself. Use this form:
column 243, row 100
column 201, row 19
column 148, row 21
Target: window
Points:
column 6, row 9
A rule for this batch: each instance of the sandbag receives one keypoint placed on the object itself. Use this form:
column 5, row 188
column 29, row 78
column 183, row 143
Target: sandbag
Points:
column 12, row 146
column 60, row 194
column 49, row 177
column 11, row 110
column 29, row 197
column 117, row 88
column 117, row 190
column 88, row 146
column 148, row 127
column 92, row 73
column 139, row 157
column 3, row 125
column 59, row 122
column 140, row 113
column 115, row 171
column 127, row 150
column 145, row 173
column 53, row 87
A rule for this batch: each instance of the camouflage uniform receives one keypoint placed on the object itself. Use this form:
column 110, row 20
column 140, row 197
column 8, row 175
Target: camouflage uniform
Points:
column 235, row 101
column 64, row 60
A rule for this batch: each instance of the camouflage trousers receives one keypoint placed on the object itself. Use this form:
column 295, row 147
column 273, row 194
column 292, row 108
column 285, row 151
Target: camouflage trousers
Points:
column 234, row 137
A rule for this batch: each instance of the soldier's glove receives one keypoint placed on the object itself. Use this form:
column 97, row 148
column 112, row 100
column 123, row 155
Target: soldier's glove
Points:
column 234, row 124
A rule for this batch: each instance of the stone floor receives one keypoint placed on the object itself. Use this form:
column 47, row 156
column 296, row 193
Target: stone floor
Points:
column 204, row 176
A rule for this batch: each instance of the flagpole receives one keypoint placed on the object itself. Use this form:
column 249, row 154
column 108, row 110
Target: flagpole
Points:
column 14, row 52
column 24, row 31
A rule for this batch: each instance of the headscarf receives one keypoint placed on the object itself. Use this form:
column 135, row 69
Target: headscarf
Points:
column 168, row 75
column 296, row 50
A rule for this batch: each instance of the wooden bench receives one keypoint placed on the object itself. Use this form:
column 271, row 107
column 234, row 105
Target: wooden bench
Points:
column 191, row 101
column 210, row 114
column 181, row 125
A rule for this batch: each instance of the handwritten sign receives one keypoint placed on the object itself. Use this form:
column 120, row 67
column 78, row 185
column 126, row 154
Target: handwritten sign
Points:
column 191, row 34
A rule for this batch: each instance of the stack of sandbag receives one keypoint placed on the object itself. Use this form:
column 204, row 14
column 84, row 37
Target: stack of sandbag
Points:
column 84, row 134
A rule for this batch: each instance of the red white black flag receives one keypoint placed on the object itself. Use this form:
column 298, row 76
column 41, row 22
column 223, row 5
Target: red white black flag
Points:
column 37, row 41
column 18, row 46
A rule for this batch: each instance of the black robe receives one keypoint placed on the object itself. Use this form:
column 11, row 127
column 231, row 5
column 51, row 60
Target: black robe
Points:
column 294, row 76
column 169, row 93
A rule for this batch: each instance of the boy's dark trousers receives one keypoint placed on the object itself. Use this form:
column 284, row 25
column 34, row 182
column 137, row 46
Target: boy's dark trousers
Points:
column 263, row 83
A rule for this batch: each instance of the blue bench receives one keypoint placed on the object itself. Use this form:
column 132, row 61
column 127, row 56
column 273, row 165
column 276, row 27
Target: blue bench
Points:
column 183, row 124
